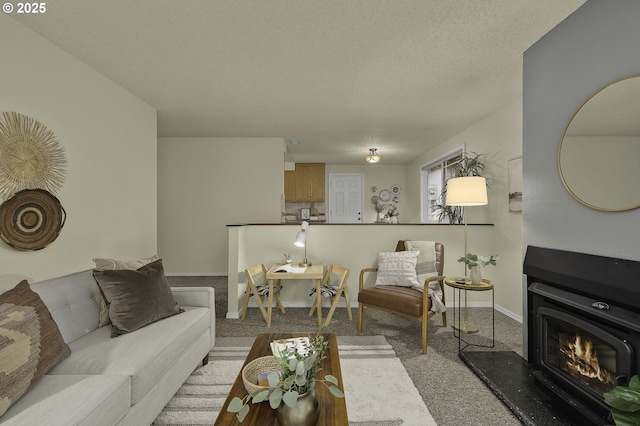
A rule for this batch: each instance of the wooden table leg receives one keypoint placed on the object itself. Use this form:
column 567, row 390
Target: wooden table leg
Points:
column 270, row 302
column 319, row 302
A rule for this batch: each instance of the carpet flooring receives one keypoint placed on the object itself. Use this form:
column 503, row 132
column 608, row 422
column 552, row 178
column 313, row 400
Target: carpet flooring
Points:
column 454, row 395
column 370, row 368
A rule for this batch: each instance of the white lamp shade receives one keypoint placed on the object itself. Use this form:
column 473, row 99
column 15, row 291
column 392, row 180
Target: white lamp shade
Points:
column 467, row 191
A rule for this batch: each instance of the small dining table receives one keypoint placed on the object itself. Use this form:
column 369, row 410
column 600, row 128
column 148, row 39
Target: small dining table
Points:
column 311, row 272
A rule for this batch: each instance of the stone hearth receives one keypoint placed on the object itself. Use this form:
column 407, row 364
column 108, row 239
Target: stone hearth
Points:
column 510, row 378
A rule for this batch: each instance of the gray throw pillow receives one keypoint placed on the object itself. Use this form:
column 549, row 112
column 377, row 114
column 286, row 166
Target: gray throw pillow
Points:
column 136, row 298
column 103, row 264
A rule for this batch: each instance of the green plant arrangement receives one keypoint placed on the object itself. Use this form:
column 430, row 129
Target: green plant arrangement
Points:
column 625, row 403
column 471, row 164
column 472, row 260
column 298, row 377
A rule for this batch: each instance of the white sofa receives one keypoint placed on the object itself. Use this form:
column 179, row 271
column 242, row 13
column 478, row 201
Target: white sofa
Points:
column 125, row 380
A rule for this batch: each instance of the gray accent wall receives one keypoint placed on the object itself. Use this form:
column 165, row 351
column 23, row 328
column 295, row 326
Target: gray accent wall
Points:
column 597, row 44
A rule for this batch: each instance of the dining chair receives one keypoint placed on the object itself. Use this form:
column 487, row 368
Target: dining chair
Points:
column 254, row 274
column 334, row 291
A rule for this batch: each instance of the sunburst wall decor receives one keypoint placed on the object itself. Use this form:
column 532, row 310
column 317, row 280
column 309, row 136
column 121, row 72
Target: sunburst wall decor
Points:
column 30, row 156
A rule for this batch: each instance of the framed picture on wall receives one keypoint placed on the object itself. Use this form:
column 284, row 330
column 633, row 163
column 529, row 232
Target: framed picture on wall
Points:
column 515, row 184
column 305, row 214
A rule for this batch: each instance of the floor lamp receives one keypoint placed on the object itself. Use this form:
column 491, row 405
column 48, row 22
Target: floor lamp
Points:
column 465, row 192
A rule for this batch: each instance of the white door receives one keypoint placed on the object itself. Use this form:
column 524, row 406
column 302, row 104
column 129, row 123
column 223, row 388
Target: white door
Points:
column 345, row 196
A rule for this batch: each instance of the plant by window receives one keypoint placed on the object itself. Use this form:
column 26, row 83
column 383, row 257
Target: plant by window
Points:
column 471, row 164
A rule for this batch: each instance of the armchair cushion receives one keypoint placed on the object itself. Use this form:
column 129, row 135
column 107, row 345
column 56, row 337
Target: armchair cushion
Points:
column 405, row 300
column 397, row 268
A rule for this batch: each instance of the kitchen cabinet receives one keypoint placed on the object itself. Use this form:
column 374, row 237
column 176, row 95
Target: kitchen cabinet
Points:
column 306, row 183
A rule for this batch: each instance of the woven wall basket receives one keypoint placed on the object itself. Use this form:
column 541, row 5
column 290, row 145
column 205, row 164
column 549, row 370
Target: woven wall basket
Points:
column 31, row 219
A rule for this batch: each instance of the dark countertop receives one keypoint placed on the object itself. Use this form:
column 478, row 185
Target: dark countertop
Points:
column 356, row 224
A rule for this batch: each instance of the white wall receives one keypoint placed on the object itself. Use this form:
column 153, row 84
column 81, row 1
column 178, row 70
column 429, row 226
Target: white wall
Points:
column 109, row 137
column 204, row 185
column 498, row 136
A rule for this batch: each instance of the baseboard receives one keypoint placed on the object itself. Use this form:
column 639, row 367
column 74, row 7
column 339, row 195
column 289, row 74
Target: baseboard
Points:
column 488, row 305
column 343, row 304
column 196, row 274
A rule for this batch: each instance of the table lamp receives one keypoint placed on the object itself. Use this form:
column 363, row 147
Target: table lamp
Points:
column 301, row 241
column 466, row 191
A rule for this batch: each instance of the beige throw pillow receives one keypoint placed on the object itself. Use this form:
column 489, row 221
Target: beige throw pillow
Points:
column 103, row 264
column 397, row 268
column 136, row 298
column 30, row 343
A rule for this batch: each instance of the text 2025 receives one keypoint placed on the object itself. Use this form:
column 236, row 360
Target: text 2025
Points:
column 31, row 7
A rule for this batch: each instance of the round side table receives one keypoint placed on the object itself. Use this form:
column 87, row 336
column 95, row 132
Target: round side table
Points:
column 463, row 325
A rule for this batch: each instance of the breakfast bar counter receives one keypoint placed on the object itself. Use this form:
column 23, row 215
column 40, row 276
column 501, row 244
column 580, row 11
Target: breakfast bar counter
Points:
column 353, row 246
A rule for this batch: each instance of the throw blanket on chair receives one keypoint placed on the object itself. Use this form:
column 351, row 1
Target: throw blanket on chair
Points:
column 426, row 268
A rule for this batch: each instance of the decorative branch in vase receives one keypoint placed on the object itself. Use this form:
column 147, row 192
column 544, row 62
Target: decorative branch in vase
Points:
column 475, row 262
column 295, row 381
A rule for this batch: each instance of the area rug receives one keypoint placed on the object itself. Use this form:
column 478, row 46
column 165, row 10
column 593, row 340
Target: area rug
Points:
column 378, row 390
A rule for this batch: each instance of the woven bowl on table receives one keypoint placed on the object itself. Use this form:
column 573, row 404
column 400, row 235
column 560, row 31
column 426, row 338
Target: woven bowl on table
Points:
column 250, row 372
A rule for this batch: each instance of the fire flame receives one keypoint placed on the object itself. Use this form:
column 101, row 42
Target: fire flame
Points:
column 582, row 360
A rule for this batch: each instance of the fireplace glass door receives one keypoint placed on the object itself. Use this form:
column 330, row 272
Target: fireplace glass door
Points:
column 581, row 355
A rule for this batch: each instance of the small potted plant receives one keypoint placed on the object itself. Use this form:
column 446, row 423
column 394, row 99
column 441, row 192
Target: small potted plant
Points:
column 294, row 387
column 625, row 403
column 392, row 214
column 475, row 262
column 378, row 207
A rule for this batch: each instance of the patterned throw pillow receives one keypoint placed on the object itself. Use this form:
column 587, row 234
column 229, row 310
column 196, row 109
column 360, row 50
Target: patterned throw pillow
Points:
column 103, row 264
column 397, row 268
column 136, row 298
column 30, row 343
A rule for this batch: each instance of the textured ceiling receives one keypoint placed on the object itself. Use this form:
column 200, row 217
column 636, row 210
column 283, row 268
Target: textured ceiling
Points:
column 339, row 75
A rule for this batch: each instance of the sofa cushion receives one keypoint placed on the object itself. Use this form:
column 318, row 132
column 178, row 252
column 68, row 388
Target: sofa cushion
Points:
column 72, row 400
column 103, row 264
column 30, row 343
column 145, row 354
column 397, row 268
column 74, row 303
column 136, row 298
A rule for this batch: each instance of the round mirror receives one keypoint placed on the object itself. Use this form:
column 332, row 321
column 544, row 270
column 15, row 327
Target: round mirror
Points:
column 599, row 155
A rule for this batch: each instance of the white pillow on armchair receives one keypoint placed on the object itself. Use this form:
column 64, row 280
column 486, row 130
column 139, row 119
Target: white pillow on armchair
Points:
column 397, row 268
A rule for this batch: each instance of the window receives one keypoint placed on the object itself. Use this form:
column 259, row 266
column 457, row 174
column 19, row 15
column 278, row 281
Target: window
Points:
column 433, row 177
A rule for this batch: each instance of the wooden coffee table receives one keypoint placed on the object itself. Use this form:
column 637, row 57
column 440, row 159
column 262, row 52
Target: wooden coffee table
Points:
column 333, row 411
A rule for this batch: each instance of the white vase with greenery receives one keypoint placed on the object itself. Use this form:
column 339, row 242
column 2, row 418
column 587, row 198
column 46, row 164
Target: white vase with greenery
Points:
column 475, row 263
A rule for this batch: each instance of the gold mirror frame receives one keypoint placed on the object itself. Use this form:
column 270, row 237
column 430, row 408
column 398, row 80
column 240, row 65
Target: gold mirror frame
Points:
column 599, row 153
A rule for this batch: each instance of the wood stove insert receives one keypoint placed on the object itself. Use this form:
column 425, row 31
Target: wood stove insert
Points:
column 583, row 327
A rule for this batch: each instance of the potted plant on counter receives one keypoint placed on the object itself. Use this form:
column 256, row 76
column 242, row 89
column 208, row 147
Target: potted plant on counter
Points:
column 292, row 390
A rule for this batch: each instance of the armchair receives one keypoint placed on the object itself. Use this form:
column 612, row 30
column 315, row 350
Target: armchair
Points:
column 405, row 301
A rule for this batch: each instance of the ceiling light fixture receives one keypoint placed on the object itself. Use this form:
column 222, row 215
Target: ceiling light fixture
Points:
column 373, row 156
